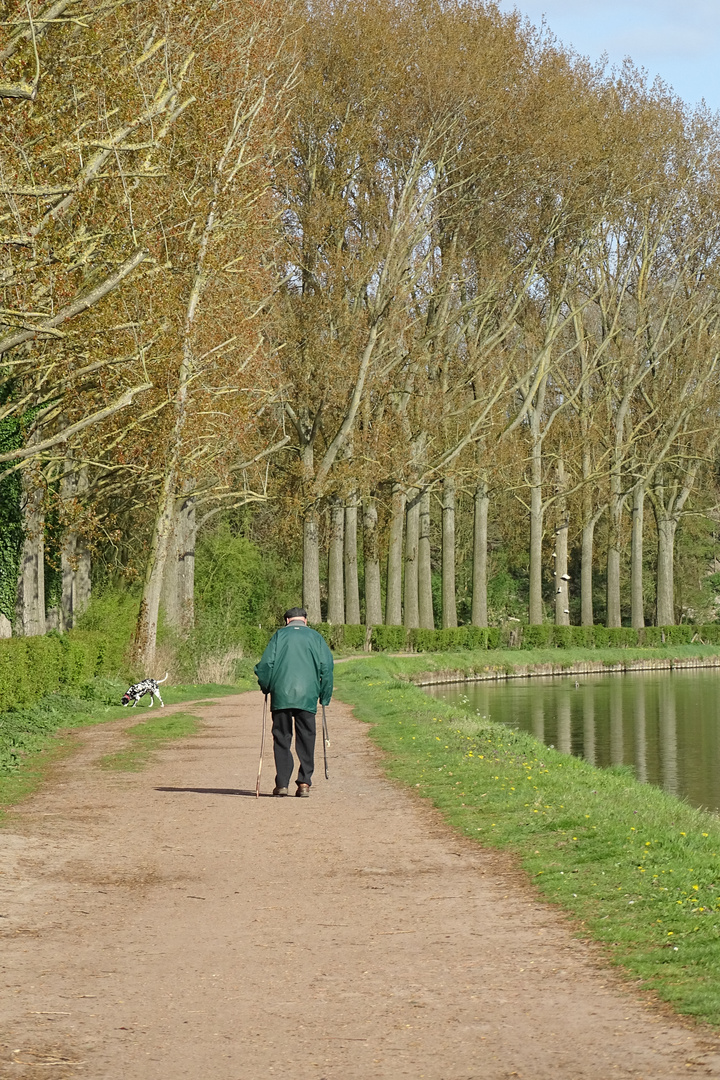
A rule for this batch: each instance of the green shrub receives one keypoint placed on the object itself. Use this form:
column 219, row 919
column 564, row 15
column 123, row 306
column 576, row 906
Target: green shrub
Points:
column 35, row 667
column 389, row 638
column 331, row 633
column 353, row 637
column 453, row 638
column 112, row 613
column 254, row 640
column 422, row 640
column 240, row 594
column 622, row 637
column 677, row 635
column 583, row 637
column 476, row 637
column 563, row 637
column 538, row 637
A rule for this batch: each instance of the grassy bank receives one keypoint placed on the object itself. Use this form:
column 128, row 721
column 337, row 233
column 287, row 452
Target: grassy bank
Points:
column 31, row 738
column 638, row 869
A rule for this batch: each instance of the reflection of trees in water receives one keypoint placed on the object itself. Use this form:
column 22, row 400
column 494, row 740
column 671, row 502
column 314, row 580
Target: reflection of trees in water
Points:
column 564, row 726
column 673, row 724
column 668, row 739
column 537, row 719
column 640, row 734
column 616, row 722
column 588, row 714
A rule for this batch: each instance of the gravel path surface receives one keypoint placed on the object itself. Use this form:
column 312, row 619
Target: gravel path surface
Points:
column 166, row 924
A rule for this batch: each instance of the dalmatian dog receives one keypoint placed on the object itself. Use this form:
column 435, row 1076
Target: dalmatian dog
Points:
column 140, row 689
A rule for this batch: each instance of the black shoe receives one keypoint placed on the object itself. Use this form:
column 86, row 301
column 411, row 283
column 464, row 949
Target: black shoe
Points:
column 280, row 791
column 303, row 791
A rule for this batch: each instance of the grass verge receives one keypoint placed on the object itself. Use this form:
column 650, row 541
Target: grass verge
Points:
column 638, row 869
column 146, row 737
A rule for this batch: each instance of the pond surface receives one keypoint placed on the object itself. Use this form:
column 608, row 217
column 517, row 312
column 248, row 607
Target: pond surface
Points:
column 665, row 724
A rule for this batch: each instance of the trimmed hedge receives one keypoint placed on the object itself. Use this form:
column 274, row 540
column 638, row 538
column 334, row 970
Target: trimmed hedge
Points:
column 546, row 636
column 34, row 667
column 389, row 638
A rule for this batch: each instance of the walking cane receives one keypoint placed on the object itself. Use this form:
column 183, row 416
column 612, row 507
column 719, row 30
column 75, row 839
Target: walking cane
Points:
column 262, row 749
column 326, row 742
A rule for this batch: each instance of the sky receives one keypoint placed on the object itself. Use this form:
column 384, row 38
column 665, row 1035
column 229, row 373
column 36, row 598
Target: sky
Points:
column 676, row 39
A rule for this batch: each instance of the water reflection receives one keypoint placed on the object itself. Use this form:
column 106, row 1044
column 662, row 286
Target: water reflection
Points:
column 588, row 699
column 640, row 736
column 665, row 724
column 668, row 742
column 538, row 719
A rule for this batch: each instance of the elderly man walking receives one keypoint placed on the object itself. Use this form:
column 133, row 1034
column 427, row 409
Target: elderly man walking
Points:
column 296, row 670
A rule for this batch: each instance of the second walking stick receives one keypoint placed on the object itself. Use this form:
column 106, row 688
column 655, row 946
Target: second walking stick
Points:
column 326, row 742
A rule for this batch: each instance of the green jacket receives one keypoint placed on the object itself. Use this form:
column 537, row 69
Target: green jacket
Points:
column 296, row 669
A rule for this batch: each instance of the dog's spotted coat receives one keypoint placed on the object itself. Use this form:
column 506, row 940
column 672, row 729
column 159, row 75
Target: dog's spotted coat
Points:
column 140, row 689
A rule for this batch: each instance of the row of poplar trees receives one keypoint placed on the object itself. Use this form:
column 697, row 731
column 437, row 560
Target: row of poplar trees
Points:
column 345, row 257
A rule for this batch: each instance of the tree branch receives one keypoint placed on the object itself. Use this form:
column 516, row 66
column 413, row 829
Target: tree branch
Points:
column 80, row 304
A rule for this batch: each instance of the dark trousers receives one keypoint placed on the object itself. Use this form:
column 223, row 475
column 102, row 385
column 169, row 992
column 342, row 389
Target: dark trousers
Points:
column 282, row 729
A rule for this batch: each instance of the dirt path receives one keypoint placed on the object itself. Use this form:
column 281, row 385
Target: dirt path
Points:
column 166, row 924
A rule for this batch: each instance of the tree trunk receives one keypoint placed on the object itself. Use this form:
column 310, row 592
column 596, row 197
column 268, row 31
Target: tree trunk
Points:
column 336, row 595
column 412, row 528
column 393, row 597
column 311, row 565
column 311, row 544
column 668, row 501
column 613, row 553
column 74, row 556
column 536, row 531
column 68, row 486
column 352, row 588
column 178, row 596
column 666, row 528
column 562, row 596
column 586, row 572
column 636, row 559
column 425, row 596
column 373, row 598
column 479, row 595
column 613, row 586
column 146, row 629
column 187, row 535
column 449, row 609
column 587, row 617
column 76, row 585
column 30, row 611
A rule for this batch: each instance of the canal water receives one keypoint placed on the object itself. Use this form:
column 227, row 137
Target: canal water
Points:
column 665, row 724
